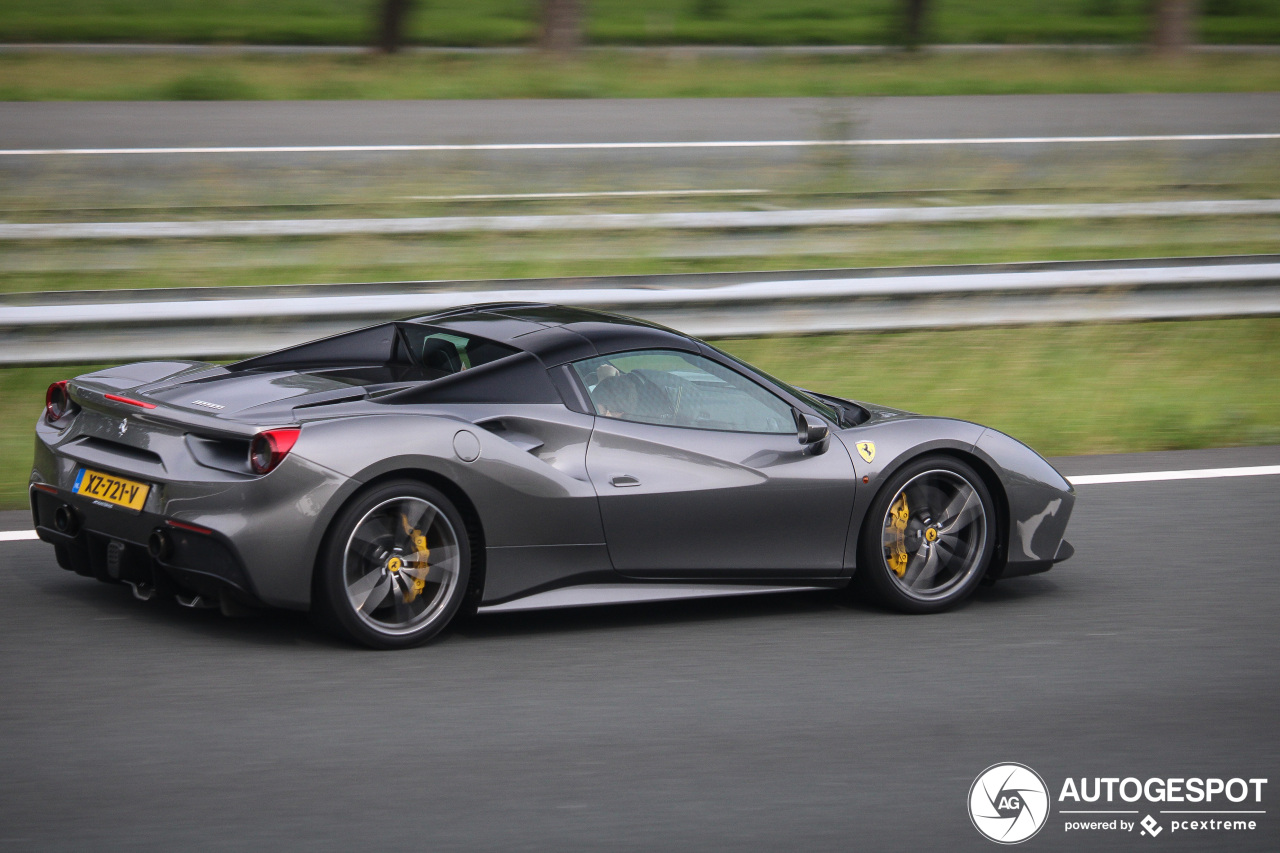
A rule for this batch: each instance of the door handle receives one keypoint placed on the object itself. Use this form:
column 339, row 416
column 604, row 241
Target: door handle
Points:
column 624, row 480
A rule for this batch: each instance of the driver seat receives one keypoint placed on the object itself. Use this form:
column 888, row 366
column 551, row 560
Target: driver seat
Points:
column 441, row 356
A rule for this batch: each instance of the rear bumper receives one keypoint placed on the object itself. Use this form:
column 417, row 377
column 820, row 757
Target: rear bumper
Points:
column 112, row 545
column 265, row 531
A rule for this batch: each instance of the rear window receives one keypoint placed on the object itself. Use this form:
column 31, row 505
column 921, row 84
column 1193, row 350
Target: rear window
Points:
column 443, row 353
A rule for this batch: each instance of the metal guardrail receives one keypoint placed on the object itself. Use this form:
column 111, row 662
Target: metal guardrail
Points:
column 712, row 220
column 227, row 322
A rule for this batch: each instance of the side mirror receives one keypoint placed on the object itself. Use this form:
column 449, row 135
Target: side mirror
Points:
column 811, row 431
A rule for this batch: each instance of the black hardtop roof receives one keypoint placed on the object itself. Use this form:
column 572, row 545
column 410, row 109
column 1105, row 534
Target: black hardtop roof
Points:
column 553, row 334
column 557, row 333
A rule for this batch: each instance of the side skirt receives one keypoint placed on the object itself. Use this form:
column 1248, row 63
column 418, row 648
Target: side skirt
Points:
column 632, row 593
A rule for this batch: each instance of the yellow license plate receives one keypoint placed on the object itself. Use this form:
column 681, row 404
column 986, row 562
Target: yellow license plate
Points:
column 112, row 489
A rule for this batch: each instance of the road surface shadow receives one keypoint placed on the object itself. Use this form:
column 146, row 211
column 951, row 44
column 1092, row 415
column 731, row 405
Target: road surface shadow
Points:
column 766, row 606
column 260, row 627
column 279, row 628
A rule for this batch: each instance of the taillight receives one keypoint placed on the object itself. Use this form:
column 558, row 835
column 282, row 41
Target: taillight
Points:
column 269, row 448
column 57, row 402
column 132, row 402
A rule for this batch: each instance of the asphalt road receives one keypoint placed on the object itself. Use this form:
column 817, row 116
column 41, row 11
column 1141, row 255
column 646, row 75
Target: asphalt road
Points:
column 788, row 722
column 269, row 123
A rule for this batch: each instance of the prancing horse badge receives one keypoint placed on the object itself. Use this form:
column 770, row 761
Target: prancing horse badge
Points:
column 867, row 450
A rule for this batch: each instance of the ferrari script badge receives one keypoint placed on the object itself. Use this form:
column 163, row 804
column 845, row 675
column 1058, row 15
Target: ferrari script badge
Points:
column 867, row 450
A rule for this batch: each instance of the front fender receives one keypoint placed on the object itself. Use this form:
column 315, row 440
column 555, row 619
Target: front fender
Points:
column 897, row 441
column 1040, row 501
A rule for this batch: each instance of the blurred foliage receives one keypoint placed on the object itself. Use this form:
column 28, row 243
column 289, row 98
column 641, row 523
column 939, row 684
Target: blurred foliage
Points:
column 506, row 22
column 214, row 84
column 709, row 10
column 45, row 76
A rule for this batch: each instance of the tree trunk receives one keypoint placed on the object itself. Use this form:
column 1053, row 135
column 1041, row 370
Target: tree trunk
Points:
column 1171, row 25
column 913, row 17
column 561, row 26
column 391, row 18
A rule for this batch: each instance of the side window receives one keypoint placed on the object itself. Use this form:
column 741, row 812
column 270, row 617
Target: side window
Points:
column 680, row 389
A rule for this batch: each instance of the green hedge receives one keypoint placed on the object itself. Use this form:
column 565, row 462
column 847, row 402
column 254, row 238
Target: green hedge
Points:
column 507, row 22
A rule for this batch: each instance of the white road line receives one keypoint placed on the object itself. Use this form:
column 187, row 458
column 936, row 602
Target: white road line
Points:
column 1083, row 480
column 599, row 194
column 1157, row 476
column 619, row 146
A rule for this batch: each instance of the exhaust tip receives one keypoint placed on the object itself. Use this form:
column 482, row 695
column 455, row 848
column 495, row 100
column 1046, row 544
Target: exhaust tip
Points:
column 65, row 519
column 158, row 545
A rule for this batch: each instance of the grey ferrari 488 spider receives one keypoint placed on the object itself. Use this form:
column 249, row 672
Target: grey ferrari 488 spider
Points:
column 517, row 456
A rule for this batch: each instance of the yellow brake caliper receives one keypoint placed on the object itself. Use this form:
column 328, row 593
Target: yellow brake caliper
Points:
column 899, row 514
column 419, row 560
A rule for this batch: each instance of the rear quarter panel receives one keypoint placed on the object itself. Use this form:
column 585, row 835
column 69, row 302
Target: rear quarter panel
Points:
column 537, row 500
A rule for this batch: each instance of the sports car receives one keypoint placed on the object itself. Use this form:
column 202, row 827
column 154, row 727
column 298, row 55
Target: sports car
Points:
column 514, row 456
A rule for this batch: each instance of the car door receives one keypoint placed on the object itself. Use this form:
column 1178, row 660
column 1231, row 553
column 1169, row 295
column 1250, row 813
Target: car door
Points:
column 700, row 474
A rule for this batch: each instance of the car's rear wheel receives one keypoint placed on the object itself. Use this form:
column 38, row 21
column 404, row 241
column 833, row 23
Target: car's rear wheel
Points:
column 395, row 567
column 928, row 537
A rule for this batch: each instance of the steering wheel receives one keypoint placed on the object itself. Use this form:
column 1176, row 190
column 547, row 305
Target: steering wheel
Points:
column 685, row 391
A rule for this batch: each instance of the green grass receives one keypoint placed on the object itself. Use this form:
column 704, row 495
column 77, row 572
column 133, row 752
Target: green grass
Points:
column 43, row 76
column 509, row 22
column 1062, row 389
column 1065, row 390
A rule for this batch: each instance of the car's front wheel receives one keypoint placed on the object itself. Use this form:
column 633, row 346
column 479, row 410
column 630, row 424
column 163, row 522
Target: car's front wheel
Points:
column 928, row 537
column 395, row 566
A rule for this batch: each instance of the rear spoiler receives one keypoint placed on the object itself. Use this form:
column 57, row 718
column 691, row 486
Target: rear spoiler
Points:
column 94, row 396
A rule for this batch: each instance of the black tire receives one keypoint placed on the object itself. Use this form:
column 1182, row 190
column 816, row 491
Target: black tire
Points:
column 395, row 566
column 913, row 556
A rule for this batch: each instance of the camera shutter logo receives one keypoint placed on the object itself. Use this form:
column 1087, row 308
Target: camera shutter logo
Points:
column 1008, row 803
